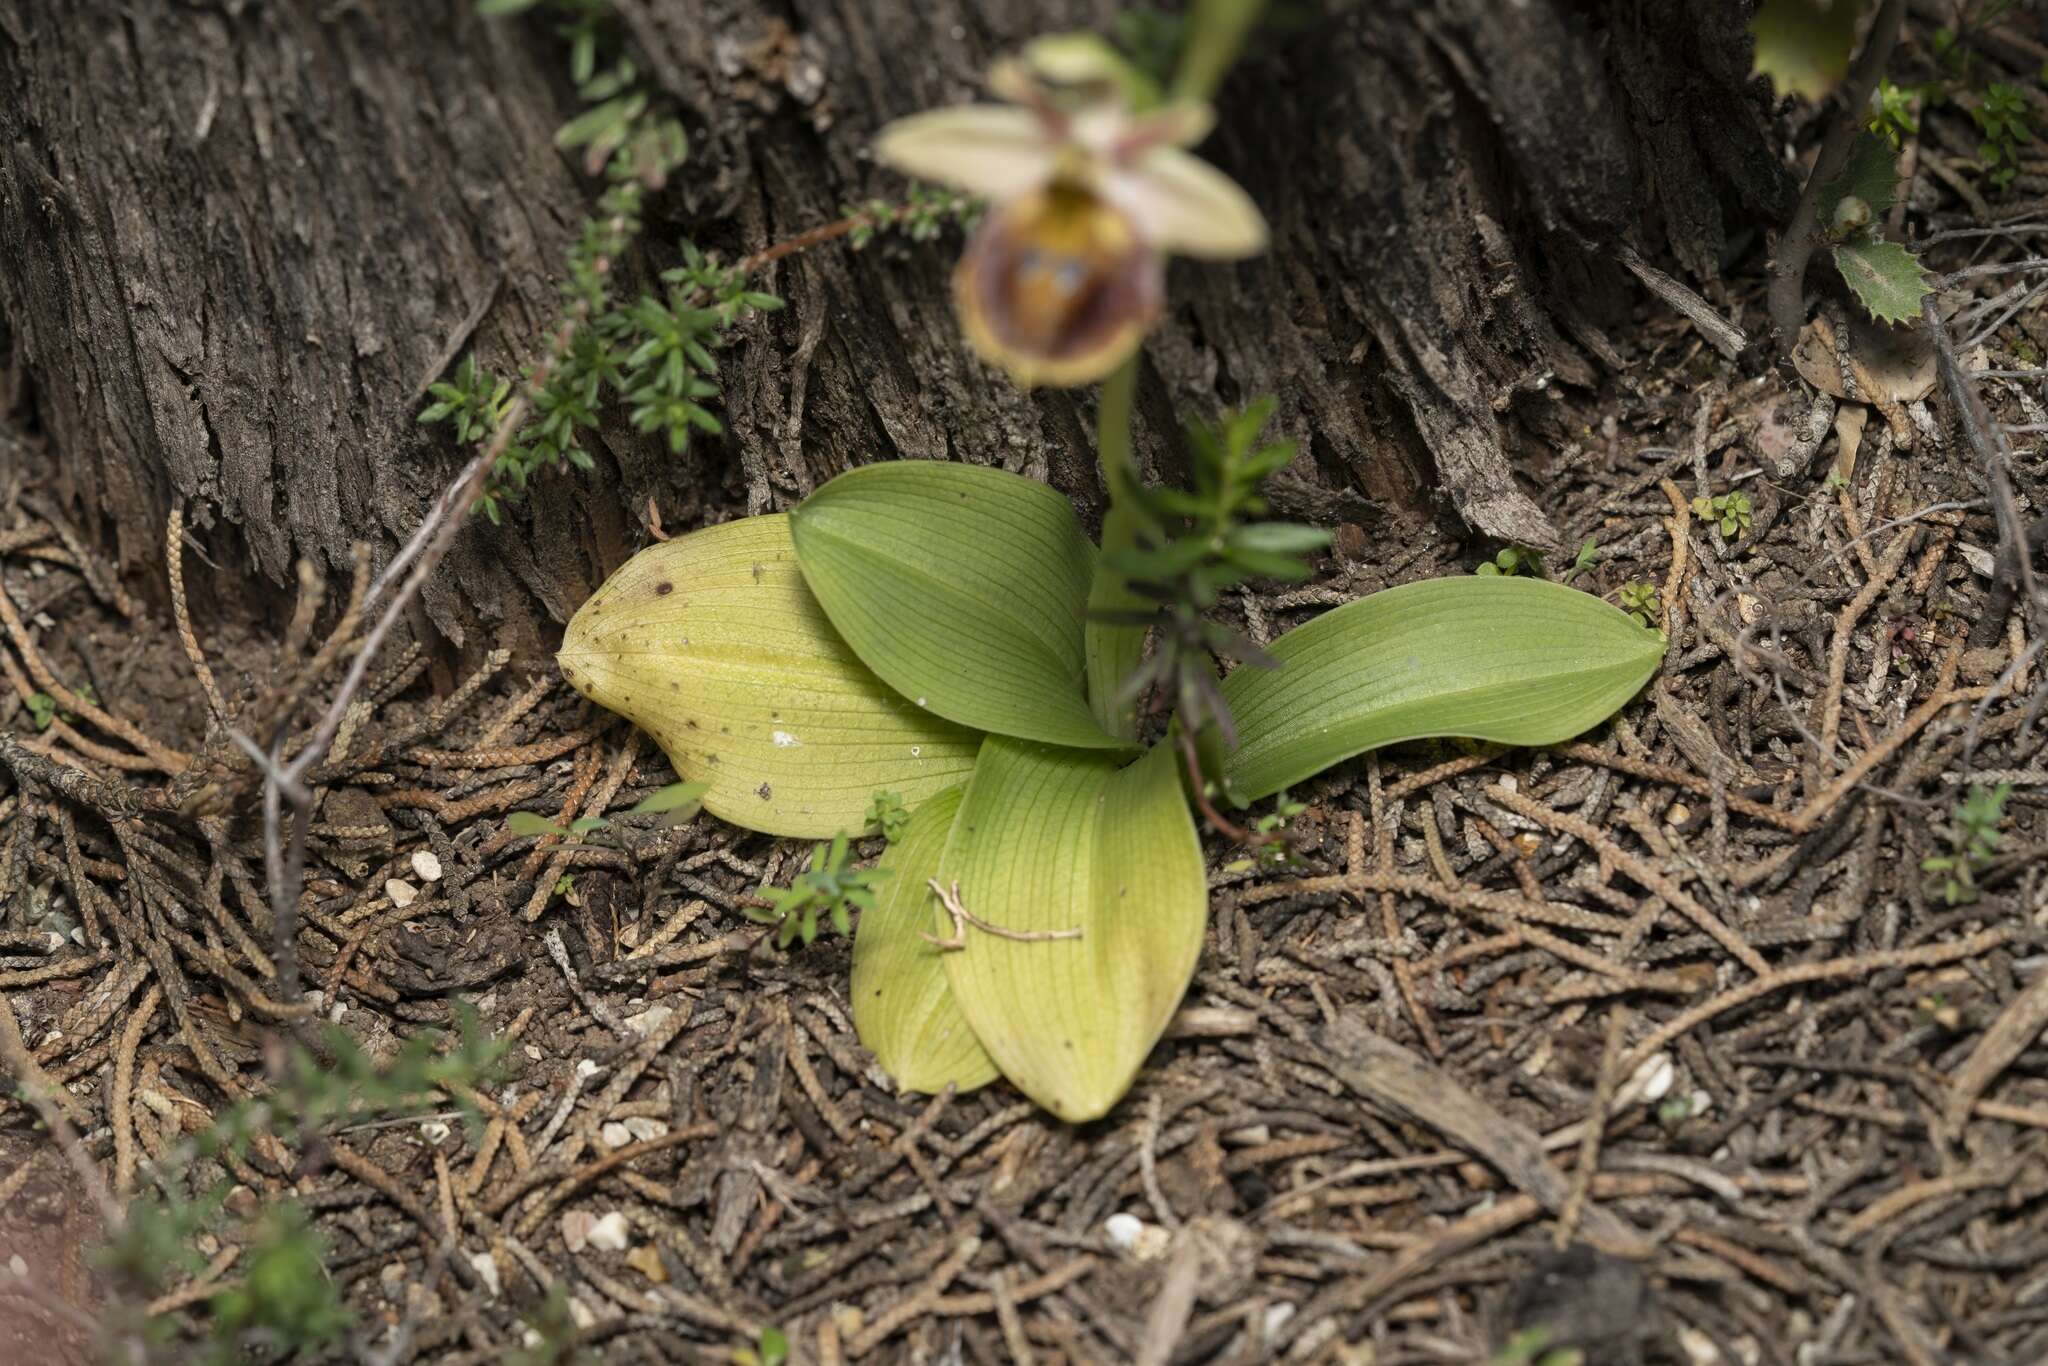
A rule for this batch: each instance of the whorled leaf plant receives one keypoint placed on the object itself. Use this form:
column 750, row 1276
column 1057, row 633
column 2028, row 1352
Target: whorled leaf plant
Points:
column 949, row 634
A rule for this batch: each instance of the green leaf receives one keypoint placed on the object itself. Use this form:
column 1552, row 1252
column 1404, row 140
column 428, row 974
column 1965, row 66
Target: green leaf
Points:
column 533, row 823
column 674, row 797
column 1803, row 45
column 963, row 588
column 712, row 644
column 1886, row 277
column 1871, row 175
column 903, row 1007
column 1050, row 840
column 1515, row 660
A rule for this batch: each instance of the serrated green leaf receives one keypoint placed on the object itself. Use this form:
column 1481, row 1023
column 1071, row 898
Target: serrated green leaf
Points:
column 1058, row 839
column 712, row 644
column 1888, row 279
column 903, row 1007
column 1871, row 174
column 1514, row 660
column 963, row 588
column 1803, row 45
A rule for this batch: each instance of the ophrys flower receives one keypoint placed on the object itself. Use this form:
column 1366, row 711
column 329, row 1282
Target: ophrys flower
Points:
column 1087, row 196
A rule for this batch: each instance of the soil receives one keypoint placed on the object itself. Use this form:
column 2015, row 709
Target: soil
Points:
column 1662, row 1043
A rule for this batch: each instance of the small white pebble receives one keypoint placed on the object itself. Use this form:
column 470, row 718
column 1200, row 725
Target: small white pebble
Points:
column 427, row 866
column 585, row 1068
column 532, row 1338
column 17, row 1265
column 532, row 1052
column 647, row 1021
column 434, row 1131
column 642, row 1127
column 487, row 1271
column 1654, row 1078
column 580, row 1314
column 1123, row 1230
column 609, row 1234
column 615, row 1135
column 576, row 1228
column 1277, row 1316
column 401, row 892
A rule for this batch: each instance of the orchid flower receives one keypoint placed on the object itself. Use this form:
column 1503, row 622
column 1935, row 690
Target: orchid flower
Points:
column 1066, row 273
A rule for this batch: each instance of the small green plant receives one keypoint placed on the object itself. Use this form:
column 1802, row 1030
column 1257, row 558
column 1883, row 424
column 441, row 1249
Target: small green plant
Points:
column 829, row 889
column 1531, row 1347
column 676, row 804
column 652, row 352
column 771, row 1348
column 1512, row 560
column 1272, row 850
column 1730, row 511
column 1891, row 112
column 2002, row 117
column 1588, row 556
column 946, row 631
column 285, row 1303
column 1193, row 545
column 1973, row 836
column 888, row 814
column 42, row 709
column 922, row 215
column 1641, row 600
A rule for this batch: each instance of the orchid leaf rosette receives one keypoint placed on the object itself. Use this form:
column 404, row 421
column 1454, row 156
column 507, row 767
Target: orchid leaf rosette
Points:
column 1089, row 192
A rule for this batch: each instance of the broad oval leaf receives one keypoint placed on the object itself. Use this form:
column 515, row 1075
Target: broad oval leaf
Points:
column 1051, row 840
column 903, row 1006
column 963, row 588
column 1514, row 660
column 712, row 644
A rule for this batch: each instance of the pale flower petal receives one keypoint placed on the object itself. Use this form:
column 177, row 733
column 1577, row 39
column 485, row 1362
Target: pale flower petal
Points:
column 1182, row 204
column 986, row 149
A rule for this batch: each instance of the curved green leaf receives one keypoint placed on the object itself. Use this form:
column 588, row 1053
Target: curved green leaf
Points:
column 1514, row 660
column 902, row 1006
column 711, row 644
column 963, row 588
column 1050, row 840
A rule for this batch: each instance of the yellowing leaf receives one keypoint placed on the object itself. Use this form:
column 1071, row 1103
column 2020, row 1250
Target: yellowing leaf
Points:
column 963, row 588
column 1803, row 45
column 1050, row 840
column 712, row 644
column 902, row 1004
column 1515, row 660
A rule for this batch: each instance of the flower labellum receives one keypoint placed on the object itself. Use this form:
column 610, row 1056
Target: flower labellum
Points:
column 1066, row 273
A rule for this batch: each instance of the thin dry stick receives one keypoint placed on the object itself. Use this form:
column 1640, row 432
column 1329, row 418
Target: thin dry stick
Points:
column 174, row 565
column 120, row 1103
column 949, row 898
column 1596, row 1130
column 1636, row 868
column 1390, row 921
column 1927, row 955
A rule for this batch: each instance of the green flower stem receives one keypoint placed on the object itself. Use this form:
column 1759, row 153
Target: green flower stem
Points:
column 1218, row 34
column 1111, row 650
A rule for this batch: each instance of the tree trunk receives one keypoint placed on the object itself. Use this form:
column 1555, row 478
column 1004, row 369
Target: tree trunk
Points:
column 241, row 238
